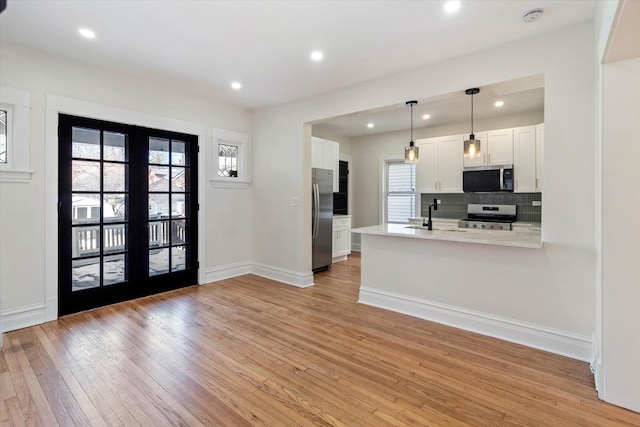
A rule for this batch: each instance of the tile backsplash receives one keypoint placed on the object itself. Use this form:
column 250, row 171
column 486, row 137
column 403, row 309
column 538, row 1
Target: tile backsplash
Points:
column 454, row 205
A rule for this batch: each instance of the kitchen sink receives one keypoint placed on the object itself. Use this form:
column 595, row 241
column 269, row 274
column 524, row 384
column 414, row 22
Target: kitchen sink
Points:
column 424, row 227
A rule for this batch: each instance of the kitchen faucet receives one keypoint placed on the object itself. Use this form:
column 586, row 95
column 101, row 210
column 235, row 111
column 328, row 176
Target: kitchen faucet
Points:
column 429, row 224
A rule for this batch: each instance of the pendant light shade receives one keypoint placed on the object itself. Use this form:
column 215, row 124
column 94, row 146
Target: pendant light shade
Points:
column 472, row 147
column 411, row 151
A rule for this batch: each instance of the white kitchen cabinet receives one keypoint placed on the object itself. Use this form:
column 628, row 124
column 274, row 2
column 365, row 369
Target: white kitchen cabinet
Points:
column 440, row 167
column 496, row 149
column 528, row 156
column 500, row 144
column 341, row 238
column 539, row 156
column 524, row 159
column 325, row 155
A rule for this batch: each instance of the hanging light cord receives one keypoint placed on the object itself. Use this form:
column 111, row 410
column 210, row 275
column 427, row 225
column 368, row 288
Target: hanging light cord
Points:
column 411, row 142
column 472, row 135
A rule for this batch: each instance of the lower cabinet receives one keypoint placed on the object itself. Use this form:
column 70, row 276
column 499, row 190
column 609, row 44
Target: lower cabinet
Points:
column 341, row 238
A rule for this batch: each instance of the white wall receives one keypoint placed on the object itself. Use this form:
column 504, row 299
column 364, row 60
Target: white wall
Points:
column 621, row 251
column 367, row 150
column 323, row 132
column 23, row 214
column 566, row 278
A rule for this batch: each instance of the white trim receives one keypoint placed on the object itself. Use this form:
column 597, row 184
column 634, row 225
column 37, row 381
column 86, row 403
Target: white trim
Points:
column 355, row 247
column 56, row 104
column 339, row 258
column 228, row 183
column 15, row 176
column 22, row 317
column 301, row 280
column 556, row 341
column 215, row 274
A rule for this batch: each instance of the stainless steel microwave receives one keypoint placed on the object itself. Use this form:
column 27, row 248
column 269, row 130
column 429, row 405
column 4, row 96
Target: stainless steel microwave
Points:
column 491, row 178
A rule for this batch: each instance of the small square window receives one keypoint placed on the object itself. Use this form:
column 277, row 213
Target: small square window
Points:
column 231, row 163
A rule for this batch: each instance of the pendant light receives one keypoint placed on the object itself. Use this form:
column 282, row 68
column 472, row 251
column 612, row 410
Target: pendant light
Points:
column 472, row 145
column 411, row 152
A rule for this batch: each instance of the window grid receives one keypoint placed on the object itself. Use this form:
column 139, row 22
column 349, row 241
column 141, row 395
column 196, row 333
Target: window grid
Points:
column 228, row 160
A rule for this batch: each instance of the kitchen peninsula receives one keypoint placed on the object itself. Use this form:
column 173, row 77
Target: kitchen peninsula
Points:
column 524, row 236
column 479, row 280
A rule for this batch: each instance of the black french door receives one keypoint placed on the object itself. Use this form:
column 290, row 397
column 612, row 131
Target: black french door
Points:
column 127, row 212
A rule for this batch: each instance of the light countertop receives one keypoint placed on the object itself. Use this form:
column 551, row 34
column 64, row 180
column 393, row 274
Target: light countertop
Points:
column 526, row 236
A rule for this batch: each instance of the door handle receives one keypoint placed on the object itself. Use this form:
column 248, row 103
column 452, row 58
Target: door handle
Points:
column 316, row 195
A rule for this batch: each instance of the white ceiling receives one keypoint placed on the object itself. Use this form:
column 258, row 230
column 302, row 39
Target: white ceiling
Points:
column 519, row 96
column 201, row 46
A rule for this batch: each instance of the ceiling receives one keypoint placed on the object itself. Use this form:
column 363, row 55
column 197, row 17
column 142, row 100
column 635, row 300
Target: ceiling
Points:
column 519, row 96
column 202, row 46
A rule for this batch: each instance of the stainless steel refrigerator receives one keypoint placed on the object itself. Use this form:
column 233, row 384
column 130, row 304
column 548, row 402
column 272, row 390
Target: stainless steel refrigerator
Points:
column 322, row 218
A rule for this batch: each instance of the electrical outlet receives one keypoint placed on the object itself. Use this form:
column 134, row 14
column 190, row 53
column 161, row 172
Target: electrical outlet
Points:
column 294, row 201
column 536, row 203
column 439, row 201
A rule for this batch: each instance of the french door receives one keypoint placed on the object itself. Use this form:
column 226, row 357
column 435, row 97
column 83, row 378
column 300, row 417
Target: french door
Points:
column 127, row 212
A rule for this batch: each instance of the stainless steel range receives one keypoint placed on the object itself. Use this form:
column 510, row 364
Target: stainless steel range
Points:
column 489, row 217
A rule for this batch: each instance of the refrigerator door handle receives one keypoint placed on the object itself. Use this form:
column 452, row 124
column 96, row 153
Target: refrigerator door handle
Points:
column 316, row 211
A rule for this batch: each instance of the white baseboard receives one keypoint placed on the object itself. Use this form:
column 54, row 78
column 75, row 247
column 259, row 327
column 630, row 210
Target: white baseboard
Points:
column 355, row 247
column 227, row 271
column 560, row 342
column 301, row 280
column 339, row 258
column 22, row 317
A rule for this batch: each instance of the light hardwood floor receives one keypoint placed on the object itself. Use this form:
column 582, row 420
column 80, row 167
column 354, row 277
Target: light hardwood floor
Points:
column 250, row 351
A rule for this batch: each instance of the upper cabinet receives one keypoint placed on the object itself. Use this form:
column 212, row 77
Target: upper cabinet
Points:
column 496, row 148
column 325, row 155
column 524, row 159
column 440, row 167
column 442, row 160
column 528, row 149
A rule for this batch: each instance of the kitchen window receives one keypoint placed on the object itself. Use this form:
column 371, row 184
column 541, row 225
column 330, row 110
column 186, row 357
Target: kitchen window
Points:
column 399, row 191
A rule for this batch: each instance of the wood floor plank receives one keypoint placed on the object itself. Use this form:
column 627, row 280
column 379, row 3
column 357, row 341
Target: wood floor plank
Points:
column 251, row 351
column 33, row 402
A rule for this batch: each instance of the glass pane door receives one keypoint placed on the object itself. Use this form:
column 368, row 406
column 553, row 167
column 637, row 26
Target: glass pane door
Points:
column 99, row 194
column 127, row 212
column 169, row 205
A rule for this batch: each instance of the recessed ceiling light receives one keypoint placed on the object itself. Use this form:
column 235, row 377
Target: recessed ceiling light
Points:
column 499, row 103
column 452, row 6
column 87, row 33
column 316, row 56
column 370, row 125
column 426, row 117
column 236, row 85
